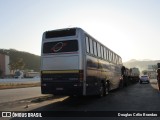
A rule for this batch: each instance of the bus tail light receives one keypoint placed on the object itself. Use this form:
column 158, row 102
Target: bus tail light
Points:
column 81, row 75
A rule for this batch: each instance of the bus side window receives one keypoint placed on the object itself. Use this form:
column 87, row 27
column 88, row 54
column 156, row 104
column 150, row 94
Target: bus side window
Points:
column 104, row 53
column 99, row 50
column 111, row 56
column 115, row 58
column 95, row 48
column 87, row 44
column 91, row 45
column 107, row 54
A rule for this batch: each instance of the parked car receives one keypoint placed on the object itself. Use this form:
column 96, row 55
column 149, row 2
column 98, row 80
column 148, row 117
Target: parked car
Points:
column 144, row 79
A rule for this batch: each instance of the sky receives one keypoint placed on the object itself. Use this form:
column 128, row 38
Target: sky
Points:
column 131, row 28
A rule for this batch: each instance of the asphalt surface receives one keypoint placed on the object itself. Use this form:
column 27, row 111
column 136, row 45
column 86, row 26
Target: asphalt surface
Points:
column 137, row 97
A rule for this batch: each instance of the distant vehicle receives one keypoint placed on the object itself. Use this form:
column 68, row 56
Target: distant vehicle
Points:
column 74, row 63
column 134, row 74
column 144, row 79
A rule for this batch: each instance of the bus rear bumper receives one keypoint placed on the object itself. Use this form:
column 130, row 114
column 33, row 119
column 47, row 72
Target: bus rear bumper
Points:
column 62, row 88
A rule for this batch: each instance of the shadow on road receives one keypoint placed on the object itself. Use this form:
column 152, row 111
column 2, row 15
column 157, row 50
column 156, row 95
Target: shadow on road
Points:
column 137, row 97
column 131, row 98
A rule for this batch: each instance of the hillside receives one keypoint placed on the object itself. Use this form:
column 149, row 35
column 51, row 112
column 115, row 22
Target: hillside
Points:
column 142, row 65
column 31, row 61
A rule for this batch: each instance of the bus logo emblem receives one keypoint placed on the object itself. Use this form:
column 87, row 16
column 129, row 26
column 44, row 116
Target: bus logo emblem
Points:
column 57, row 47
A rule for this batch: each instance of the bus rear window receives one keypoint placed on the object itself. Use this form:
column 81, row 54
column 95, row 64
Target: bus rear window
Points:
column 60, row 33
column 60, row 46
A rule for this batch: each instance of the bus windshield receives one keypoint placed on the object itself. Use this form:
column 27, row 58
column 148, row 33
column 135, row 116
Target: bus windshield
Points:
column 60, row 46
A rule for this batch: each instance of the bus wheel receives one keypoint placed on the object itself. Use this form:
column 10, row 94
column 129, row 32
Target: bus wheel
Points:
column 121, row 84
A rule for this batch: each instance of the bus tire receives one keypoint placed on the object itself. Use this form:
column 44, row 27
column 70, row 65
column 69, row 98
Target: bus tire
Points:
column 121, row 84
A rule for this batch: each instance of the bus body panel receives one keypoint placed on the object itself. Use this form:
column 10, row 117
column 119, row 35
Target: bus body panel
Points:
column 69, row 62
column 99, row 70
column 92, row 75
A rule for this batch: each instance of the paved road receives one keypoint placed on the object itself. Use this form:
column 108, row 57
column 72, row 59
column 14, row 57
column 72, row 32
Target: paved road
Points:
column 141, row 97
column 8, row 95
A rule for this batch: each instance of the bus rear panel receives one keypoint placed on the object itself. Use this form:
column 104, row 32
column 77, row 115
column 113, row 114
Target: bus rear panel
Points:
column 61, row 68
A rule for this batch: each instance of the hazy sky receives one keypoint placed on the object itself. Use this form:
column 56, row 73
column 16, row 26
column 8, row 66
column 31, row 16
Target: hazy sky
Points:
column 131, row 28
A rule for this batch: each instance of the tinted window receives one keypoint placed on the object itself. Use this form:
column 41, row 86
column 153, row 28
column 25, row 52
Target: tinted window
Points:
column 99, row 50
column 115, row 58
column 111, row 56
column 91, row 46
column 118, row 60
column 102, row 51
column 95, row 48
column 105, row 53
column 87, row 44
column 60, row 33
column 60, row 46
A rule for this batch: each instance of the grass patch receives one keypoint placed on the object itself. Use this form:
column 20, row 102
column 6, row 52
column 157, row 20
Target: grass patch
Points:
column 17, row 85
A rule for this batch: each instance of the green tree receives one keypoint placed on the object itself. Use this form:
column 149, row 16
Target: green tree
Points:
column 20, row 64
column 12, row 66
column 16, row 65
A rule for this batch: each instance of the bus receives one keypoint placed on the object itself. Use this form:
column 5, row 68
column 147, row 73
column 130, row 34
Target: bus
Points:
column 75, row 63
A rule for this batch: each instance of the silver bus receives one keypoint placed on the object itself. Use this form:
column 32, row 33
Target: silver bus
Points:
column 75, row 63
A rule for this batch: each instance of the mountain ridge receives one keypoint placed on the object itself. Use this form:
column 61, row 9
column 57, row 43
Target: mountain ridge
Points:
column 141, row 64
